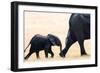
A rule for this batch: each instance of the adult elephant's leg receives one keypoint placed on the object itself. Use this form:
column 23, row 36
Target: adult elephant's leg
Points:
column 52, row 54
column 69, row 41
column 37, row 54
column 82, row 49
column 80, row 38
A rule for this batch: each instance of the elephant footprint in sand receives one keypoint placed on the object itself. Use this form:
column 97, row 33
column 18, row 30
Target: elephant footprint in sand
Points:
column 39, row 42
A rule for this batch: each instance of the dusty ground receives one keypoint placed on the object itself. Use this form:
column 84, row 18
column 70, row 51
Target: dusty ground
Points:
column 56, row 24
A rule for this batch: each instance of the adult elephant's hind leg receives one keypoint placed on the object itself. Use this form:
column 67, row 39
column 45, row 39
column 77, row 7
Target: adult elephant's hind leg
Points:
column 80, row 38
column 82, row 49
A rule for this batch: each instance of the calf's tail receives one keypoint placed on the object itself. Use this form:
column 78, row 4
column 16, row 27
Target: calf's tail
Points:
column 26, row 47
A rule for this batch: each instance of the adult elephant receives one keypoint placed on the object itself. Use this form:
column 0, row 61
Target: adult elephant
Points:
column 39, row 42
column 79, row 30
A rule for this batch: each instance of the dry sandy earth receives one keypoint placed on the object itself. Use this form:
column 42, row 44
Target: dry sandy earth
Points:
column 56, row 24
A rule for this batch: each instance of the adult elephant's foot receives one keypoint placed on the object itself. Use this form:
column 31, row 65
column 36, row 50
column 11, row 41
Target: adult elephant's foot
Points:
column 62, row 55
column 82, row 54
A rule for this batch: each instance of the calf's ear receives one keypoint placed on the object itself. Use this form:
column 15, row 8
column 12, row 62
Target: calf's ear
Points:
column 51, row 39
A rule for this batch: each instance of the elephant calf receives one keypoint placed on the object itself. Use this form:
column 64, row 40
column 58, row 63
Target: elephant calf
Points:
column 39, row 42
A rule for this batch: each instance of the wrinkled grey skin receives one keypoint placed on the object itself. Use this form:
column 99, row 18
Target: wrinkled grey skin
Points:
column 79, row 30
column 39, row 42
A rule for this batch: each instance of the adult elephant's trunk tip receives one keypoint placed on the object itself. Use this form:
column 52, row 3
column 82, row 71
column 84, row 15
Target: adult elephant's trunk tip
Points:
column 60, row 44
column 60, row 47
